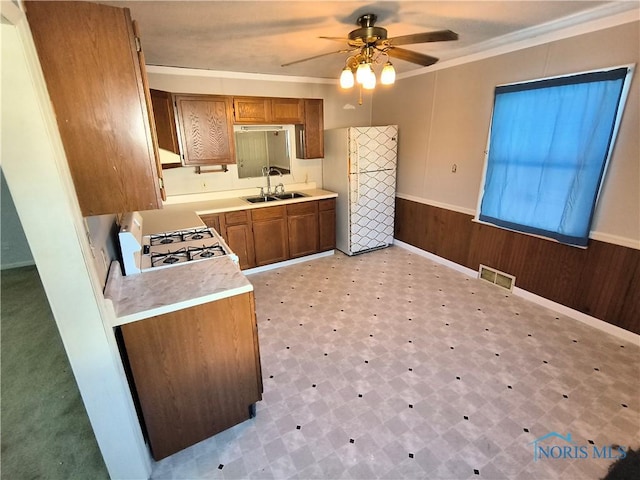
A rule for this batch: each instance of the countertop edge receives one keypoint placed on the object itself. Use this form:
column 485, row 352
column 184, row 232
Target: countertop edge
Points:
column 174, row 307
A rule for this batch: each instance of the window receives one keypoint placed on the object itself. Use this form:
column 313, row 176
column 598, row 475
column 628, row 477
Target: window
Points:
column 548, row 149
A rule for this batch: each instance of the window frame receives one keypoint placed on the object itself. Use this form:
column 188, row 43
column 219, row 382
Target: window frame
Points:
column 626, row 87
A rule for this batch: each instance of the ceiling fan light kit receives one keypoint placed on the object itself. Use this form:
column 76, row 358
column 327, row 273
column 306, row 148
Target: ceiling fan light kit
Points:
column 372, row 47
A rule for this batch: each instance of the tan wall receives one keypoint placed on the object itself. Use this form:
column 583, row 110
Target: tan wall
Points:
column 181, row 181
column 444, row 120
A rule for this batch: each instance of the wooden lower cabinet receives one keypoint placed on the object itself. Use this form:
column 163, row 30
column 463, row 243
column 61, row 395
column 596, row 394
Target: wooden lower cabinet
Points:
column 266, row 235
column 270, row 237
column 327, row 224
column 235, row 228
column 196, row 371
column 302, row 221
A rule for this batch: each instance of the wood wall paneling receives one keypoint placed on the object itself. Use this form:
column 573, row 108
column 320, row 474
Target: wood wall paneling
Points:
column 602, row 280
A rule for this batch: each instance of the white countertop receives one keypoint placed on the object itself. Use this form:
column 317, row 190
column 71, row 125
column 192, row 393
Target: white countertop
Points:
column 165, row 290
column 180, row 216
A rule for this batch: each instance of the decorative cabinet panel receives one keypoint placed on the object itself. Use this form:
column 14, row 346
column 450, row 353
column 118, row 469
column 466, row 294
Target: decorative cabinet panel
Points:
column 310, row 135
column 90, row 60
column 165, row 119
column 206, row 129
column 196, row 371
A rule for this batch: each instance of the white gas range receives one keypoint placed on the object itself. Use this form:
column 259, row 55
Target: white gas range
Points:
column 167, row 249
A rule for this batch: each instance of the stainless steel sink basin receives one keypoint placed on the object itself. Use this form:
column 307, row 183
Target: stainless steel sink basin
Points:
column 261, row 199
column 289, row 195
column 275, row 198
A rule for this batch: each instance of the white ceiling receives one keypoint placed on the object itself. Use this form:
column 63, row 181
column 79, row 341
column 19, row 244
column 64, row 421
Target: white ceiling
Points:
column 259, row 36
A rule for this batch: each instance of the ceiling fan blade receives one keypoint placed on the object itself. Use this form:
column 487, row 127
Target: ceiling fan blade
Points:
column 337, row 39
column 424, row 37
column 316, row 56
column 413, row 57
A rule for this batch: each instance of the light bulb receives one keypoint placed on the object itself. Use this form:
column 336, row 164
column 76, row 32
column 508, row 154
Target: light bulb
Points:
column 346, row 78
column 363, row 72
column 388, row 75
column 369, row 82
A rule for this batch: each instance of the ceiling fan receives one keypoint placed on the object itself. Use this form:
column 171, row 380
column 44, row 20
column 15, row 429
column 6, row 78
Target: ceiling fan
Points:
column 369, row 43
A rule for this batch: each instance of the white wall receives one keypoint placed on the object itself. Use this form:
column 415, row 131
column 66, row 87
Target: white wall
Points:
column 36, row 170
column 15, row 249
column 444, row 119
column 341, row 109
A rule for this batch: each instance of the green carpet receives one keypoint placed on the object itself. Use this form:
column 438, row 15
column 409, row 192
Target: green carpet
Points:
column 45, row 429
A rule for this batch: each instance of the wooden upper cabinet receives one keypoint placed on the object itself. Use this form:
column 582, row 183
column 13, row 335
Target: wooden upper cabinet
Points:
column 89, row 58
column 251, row 110
column 262, row 110
column 165, row 120
column 206, row 129
column 287, row 110
column 310, row 135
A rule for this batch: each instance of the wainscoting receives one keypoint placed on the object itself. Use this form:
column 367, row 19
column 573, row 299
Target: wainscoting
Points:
column 602, row 281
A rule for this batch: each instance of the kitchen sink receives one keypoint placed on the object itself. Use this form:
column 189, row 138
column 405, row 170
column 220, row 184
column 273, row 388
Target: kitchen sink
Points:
column 261, row 199
column 275, row 198
column 289, row 195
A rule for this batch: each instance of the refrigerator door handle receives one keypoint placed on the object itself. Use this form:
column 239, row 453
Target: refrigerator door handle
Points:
column 357, row 172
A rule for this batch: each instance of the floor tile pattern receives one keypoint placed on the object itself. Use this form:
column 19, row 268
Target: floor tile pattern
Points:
column 388, row 365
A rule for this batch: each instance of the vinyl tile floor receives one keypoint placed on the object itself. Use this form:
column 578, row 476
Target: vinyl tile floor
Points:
column 388, row 365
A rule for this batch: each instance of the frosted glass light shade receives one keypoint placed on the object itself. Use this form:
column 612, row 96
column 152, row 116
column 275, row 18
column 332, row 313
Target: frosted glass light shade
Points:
column 369, row 82
column 346, row 78
column 362, row 73
column 388, row 75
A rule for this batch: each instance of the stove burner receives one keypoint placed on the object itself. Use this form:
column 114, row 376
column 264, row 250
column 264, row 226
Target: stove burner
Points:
column 206, row 251
column 166, row 240
column 197, row 236
column 169, row 258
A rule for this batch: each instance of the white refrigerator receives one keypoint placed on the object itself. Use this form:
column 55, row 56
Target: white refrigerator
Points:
column 360, row 165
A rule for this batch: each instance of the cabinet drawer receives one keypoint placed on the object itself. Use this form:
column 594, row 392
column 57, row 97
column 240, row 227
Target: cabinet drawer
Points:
column 327, row 204
column 302, row 208
column 235, row 218
column 267, row 213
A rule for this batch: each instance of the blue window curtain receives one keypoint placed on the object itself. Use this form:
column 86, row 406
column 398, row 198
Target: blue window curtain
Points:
column 548, row 147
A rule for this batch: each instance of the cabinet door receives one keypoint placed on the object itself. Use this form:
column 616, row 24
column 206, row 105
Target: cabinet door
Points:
column 310, row 135
column 196, row 371
column 206, row 129
column 287, row 110
column 90, row 63
column 327, row 224
column 165, row 119
column 215, row 221
column 302, row 220
column 270, row 235
column 251, row 110
column 240, row 241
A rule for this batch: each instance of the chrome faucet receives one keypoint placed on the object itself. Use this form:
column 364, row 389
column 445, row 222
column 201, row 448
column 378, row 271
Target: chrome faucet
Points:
column 266, row 171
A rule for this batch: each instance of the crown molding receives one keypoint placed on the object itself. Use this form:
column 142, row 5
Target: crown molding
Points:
column 598, row 18
column 263, row 77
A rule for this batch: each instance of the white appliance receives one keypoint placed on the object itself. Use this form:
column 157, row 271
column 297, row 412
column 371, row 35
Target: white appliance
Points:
column 167, row 249
column 360, row 165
